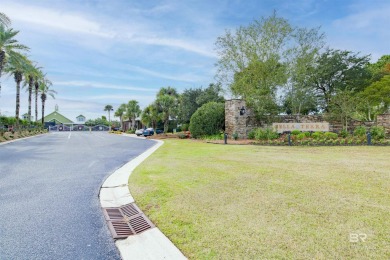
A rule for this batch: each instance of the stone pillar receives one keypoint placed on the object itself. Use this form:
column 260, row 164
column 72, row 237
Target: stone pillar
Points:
column 234, row 122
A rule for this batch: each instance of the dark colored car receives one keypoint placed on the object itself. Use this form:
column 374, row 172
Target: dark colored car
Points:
column 148, row 132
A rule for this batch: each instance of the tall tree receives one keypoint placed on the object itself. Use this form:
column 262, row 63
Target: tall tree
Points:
column 192, row 99
column 17, row 66
column 9, row 46
column 167, row 104
column 39, row 77
column 337, row 70
column 255, row 61
column 150, row 115
column 108, row 108
column 299, row 97
column 133, row 110
column 31, row 74
column 120, row 112
column 45, row 90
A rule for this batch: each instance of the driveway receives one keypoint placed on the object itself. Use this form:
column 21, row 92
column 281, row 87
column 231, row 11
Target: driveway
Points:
column 49, row 185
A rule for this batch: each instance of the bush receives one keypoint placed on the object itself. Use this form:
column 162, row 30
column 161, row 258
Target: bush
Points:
column 265, row 134
column 131, row 131
column 209, row 119
column 301, row 136
column 295, row 132
column 184, row 127
column 344, row 133
column 307, row 134
column 331, row 135
column 360, row 131
column 252, row 134
column 378, row 132
column 317, row 135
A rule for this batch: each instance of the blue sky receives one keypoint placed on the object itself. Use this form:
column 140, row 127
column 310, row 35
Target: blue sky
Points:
column 99, row 52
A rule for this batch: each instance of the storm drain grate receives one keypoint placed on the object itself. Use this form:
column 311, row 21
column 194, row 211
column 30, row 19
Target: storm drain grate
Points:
column 126, row 221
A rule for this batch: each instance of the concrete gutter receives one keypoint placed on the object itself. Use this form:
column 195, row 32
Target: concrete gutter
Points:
column 151, row 244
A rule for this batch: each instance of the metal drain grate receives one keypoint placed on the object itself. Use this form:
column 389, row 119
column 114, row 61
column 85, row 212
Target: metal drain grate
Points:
column 126, row 221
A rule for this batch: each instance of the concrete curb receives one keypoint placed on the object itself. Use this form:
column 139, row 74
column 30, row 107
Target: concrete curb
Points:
column 151, row 244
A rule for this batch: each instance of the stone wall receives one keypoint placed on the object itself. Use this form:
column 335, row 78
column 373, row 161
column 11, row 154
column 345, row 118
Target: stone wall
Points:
column 384, row 120
column 243, row 124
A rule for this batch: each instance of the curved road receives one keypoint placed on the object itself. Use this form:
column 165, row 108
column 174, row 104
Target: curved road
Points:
column 49, row 186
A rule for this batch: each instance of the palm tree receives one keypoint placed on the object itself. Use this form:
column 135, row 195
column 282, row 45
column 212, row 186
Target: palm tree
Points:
column 108, row 108
column 133, row 110
column 167, row 102
column 39, row 77
column 31, row 75
column 150, row 115
column 17, row 66
column 120, row 112
column 8, row 46
column 44, row 89
column 4, row 20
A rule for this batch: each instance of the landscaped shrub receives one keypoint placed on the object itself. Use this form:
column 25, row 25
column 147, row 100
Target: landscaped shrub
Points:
column 307, row 134
column 265, row 134
column 377, row 132
column 360, row 131
column 209, row 119
column 344, row 133
column 301, row 136
column 331, row 135
column 252, row 134
column 295, row 132
column 317, row 135
column 184, row 127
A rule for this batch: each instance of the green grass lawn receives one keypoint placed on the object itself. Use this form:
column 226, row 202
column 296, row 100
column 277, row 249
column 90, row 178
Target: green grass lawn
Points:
column 252, row 202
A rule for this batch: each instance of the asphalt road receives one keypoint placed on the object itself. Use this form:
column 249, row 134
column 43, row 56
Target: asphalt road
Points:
column 49, row 186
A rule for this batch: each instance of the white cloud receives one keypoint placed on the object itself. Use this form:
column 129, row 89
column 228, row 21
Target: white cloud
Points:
column 188, row 77
column 54, row 19
column 88, row 84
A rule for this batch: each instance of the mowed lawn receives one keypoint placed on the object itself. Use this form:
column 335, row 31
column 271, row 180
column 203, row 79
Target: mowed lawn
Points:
column 262, row 202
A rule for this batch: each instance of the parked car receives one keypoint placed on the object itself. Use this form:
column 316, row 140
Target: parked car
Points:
column 148, row 132
column 159, row 131
column 139, row 132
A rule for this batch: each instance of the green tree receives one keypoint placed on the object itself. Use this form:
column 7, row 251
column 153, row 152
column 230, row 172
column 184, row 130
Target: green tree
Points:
column 255, row 61
column 31, row 74
column 17, row 66
column 380, row 68
column 209, row 119
column 150, row 115
column 299, row 97
column 167, row 104
column 376, row 97
column 337, row 70
column 133, row 111
column 39, row 77
column 120, row 112
column 45, row 90
column 343, row 106
column 108, row 108
column 191, row 99
column 9, row 47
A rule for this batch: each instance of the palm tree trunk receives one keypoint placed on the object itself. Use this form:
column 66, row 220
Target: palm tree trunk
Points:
column 2, row 58
column 36, row 101
column 43, row 99
column 30, row 86
column 18, row 78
